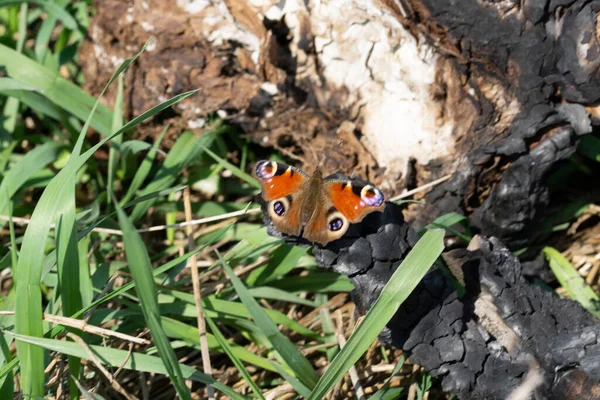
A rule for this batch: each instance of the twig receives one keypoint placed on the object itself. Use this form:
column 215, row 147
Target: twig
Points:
column 421, row 188
column 312, row 349
column 332, row 304
column 234, row 214
column 589, row 279
column 115, row 385
column 279, row 391
column 125, row 360
column 412, row 390
column 533, row 379
column 107, row 287
column 191, row 222
column 197, row 294
column 358, row 390
column 217, row 286
column 83, row 326
column 81, row 388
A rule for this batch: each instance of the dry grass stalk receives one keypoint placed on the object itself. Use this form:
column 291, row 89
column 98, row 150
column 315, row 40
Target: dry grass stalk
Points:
column 341, row 338
column 83, row 326
column 113, row 382
column 197, row 294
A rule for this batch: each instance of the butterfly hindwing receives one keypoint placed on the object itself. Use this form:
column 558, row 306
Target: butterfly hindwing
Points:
column 327, row 223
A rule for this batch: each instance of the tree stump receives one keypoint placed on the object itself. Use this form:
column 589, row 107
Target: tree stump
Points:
column 400, row 92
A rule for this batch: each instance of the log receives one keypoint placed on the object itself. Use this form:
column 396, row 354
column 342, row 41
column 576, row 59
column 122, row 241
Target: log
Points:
column 501, row 335
column 400, row 92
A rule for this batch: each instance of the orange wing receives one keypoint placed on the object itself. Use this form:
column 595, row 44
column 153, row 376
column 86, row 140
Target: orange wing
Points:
column 278, row 180
column 354, row 199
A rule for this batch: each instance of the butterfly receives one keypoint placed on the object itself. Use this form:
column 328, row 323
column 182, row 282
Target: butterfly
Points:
column 315, row 208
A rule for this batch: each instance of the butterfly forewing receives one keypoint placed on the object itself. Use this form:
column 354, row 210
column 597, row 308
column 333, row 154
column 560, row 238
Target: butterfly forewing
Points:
column 354, row 199
column 278, row 180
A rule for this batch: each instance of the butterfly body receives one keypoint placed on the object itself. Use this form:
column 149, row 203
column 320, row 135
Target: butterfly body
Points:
column 315, row 208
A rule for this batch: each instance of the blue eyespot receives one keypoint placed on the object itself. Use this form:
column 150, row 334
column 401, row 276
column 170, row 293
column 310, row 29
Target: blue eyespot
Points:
column 371, row 196
column 279, row 208
column 266, row 169
column 336, row 224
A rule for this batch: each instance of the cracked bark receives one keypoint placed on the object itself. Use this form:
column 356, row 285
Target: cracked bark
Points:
column 496, row 93
column 480, row 345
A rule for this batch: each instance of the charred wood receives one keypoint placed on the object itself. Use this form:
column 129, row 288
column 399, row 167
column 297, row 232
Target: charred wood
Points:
column 495, row 92
column 483, row 344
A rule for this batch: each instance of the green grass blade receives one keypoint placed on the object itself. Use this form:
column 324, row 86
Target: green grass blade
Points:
column 22, row 170
column 141, row 270
column 10, row 113
column 9, row 84
column 142, row 172
column 225, row 345
column 271, row 293
column 569, row 278
column 315, row 282
column 86, row 287
column 589, row 146
column 45, row 32
column 128, row 286
column 8, row 367
column 219, row 308
column 67, row 261
column 59, row 91
column 117, row 123
column 51, row 8
column 50, row 259
column 135, row 146
column 446, row 222
column 401, row 284
column 37, row 102
column 134, row 122
column 381, row 393
column 6, row 381
column 187, row 148
column 234, row 170
column 286, row 349
column 283, row 260
column 28, row 306
column 189, row 334
column 117, row 358
column 301, row 389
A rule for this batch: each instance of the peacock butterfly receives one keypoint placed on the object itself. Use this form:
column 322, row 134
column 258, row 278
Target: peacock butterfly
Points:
column 315, row 208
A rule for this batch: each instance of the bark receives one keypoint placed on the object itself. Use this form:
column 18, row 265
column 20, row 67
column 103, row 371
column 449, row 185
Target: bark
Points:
column 399, row 92
column 484, row 343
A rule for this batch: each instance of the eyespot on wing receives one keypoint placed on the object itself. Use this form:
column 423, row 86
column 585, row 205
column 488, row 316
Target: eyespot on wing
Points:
column 278, row 180
column 354, row 199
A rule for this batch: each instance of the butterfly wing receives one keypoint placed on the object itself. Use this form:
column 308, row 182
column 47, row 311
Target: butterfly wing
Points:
column 336, row 203
column 343, row 202
column 317, row 228
column 278, row 180
column 281, row 188
column 354, row 198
